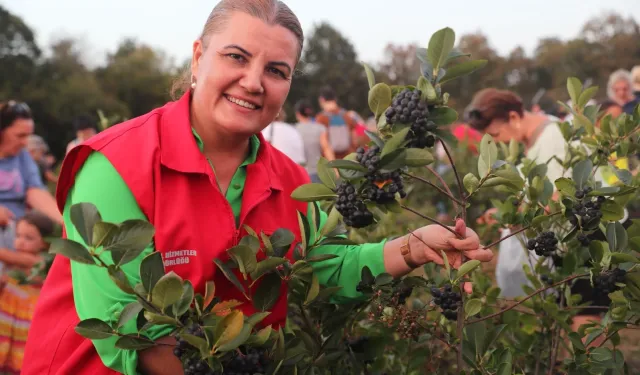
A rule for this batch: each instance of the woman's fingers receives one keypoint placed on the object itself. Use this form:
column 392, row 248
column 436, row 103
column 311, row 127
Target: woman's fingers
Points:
column 461, row 227
column 467, row 287
column 469, row 243
column 483, row 255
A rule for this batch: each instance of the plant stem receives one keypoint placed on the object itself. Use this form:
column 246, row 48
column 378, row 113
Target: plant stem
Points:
column 442, row 181
column 431, row 220
column 607, row 338
column 516, row 232
column 460, row 332
column 456, row 200
column 308, row 323
column 455, row 172
column 538, row 357
column 555, row 343
column 527, row 298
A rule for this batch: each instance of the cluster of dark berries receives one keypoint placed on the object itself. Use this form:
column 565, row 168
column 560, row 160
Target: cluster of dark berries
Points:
column 546, row 279
column 588, row 209
column 583, row 239
column 448, row 300
column 352, row 207
column 191, row 365
column 605, row 283
column 544, row 245
column 402, row 293
column 254, row 361
column 408, row 109
column 369, row 158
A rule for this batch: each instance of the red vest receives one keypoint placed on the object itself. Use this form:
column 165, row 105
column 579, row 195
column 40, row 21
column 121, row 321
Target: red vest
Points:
column 158, row 158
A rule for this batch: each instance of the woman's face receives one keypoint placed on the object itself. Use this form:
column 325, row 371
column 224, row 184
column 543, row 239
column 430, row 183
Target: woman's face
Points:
column 622, row 91
column 15, row 137
column 28, row 238
column 243, row 75
column 503, row 130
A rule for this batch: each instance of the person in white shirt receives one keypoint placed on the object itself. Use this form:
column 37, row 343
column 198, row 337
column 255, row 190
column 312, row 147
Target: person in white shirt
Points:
column 285, row 138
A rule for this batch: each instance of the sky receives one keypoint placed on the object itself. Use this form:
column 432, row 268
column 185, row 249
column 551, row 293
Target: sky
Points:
column 368, row 24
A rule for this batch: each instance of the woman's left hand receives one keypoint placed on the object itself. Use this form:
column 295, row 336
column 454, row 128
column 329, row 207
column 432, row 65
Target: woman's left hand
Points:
column 432, row 239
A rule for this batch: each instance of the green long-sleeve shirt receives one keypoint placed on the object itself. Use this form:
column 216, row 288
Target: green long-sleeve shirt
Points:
column 96, row 296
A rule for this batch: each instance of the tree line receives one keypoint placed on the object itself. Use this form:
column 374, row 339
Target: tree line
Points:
column 136, row 77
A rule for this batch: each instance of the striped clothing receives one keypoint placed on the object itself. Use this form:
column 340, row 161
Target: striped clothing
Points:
column 17, row 304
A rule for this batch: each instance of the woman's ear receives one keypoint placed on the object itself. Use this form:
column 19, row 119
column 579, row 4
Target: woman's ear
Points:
column 198, row 50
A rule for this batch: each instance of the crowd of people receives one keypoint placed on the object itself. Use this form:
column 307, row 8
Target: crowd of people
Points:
column 28, row 211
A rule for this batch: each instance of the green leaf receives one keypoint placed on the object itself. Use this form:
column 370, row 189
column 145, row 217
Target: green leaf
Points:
column 587, row 95
column 102, row 232
column 167, row 291
column 151, row 270
column 576, row 341
column 245, row 257
column 611, row 211
column 440, row 45
column 383, row 279
column 325, row 174
column 467, row 267
column 447, row 266
column 229, row 327
column 314, row 290
column 462, row 69
column 266, row 266
column 472, row 307
column 616, row 236
column 396, row 159
column 623, row 175
column 94, row 329
column 618, row 258
column 366, row 277
column 134, row 343
column 506, row 177
column 159, row 319
column 84, row 216
column 313, row 192
column 488, row 155
column 261, row 337
column 267, row 292
column 337, row 241
column 370, row 76
column 395, row 142
column 426, row 88
column 129, row 240
column 240, row 339
column 566, row 186
column 601, row 354
column 117, row 275
column 581, row 172
column 129, row 312
column 183, row 304
column 454, row 54
column 305, row 232
column 347, row 164
column 417, row 157
column 374, row 137
column 230, row 275
column 197, row 342
column 379, row 98
column 331, row 223
column 443, row 115
column 470, row 182
column 506, row 364
column 72, row 250
column 574, row 87
column 281, row 241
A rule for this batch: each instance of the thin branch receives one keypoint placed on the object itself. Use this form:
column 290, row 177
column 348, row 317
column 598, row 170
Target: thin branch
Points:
column 439, row 177
column 516, row 232
column 607, row 338
column 460, row 332
column 555, row 343
column 456, row 200
column 539, row 356
column 527, row 298
column 455, row 172
column 432, row 220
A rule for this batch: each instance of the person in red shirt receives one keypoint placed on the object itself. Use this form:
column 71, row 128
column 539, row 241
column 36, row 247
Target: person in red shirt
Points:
column 199, row 170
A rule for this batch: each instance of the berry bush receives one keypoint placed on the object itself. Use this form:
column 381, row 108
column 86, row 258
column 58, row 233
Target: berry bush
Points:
column 573, row 227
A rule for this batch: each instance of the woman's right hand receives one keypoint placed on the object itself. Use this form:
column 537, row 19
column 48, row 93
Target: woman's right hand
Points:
column 5, row 216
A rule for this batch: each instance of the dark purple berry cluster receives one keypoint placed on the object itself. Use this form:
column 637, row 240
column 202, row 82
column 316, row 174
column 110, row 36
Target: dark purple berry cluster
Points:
column 381, row 187
column 587, row 210
column 448, row 300
column 352, row 207
column 544, row 245
column 605, row 283
column 407, row 108
column 185, row 351
column 253, row 361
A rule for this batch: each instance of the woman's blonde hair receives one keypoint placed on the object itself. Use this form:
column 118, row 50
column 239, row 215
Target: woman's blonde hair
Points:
column 272, row 12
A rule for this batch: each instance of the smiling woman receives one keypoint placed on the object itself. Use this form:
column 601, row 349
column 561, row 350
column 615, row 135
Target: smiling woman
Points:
column 199, row 170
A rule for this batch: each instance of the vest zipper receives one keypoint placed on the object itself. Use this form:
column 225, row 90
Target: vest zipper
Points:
column 236, row 233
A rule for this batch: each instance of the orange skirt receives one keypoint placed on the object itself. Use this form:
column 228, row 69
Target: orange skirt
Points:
column 17, row 304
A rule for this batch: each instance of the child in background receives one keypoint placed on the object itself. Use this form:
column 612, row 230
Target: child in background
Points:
column 17, row 302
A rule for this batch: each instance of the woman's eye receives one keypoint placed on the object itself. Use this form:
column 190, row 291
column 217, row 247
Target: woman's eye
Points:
column 236, row 56
column 277, row 72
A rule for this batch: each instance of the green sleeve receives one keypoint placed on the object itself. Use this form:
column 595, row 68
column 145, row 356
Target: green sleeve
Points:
column 95, row 295
column 345, row 269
